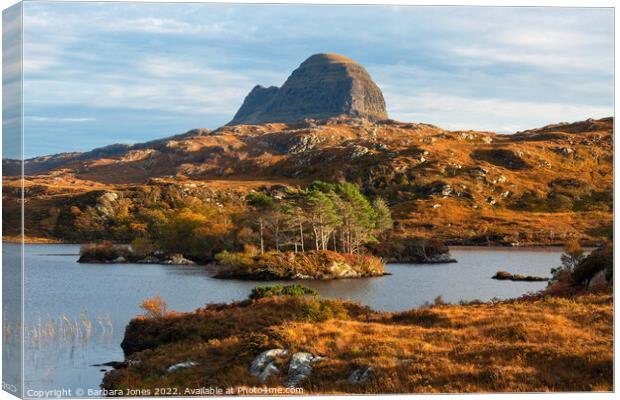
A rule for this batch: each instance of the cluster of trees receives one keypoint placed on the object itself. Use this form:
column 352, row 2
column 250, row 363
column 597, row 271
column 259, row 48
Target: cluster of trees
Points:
column 324, row 216
column 198, row 225
column 579, row 268
column 158, row 220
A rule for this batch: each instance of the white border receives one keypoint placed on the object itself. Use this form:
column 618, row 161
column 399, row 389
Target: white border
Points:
column 523, row 3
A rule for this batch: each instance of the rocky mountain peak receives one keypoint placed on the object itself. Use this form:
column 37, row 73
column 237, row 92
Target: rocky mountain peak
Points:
column 323, row 86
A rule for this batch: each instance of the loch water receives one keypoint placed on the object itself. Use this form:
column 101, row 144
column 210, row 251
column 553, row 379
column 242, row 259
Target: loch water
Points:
column 60, row 294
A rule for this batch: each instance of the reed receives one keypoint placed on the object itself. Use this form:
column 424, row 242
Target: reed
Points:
column 64, row 330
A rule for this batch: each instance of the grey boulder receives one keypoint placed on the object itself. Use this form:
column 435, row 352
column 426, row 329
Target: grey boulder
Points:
column 360, row 375
column 300, row 368
column 263, row 365
column 182, row 365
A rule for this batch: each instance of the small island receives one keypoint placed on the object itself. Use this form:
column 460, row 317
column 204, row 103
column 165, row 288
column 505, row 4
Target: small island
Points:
column 109, row 253
column 507, row 276
column 323, row 264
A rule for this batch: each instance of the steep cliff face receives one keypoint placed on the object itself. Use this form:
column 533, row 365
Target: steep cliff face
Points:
column 324, row 86
column 254, row 102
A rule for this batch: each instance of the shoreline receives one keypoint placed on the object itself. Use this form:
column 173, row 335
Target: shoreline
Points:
column 529, row 246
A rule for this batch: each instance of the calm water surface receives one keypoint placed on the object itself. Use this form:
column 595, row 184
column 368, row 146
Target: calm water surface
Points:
column 56, row 285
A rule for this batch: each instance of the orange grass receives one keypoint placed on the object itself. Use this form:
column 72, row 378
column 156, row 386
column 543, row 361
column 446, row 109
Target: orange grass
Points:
column 548, row 344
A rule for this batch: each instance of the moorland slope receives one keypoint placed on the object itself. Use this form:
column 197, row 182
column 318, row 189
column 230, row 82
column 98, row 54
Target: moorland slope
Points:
column 540, row 186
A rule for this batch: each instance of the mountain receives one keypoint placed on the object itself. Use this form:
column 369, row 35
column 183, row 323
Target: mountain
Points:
column 324, row 86
column 542, row 185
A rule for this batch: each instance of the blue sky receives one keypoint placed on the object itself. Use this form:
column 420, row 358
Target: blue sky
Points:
column 102, row 73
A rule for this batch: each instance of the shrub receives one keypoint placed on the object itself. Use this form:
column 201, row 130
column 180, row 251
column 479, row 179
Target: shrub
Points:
column 596, row 201
column 439, row 301
column 197, row 234
column 142, row 247
column 573, row 255
column 599, row 260
column 530, row 201
column 559, row 202
column 294, row 290
column 235, row 260
column 364, row 263
column 502, row 275
column 155, row 307
column 317, row 311
column 567, row 183
column 102, row 252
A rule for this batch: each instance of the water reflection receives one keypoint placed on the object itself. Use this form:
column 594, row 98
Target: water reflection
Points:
column 53, row 343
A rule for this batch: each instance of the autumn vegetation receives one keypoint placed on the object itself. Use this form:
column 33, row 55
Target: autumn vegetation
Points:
column 323, row 216
column 324, row 231
column 294, row 290
column 155, row 307
column 550, row 343
column 579, row 270
column 321, row 264
column 541, row 186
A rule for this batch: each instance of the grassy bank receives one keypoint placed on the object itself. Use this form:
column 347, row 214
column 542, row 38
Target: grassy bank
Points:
column 536, row 344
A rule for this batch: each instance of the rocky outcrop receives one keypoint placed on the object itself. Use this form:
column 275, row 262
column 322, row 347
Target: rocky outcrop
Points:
column 324, row 86
column 108, row 253
column 360, row 375
column 182, row 365
column 300, row 368
column 303, row 143
column 177, row 259
column 264, row 365
column 357, row 152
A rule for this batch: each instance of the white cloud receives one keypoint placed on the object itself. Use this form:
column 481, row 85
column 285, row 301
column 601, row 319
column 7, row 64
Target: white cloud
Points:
column 59, row 119
column 163, row 25
column 560, row 61
column 546, row 38
column 491, row 114
column 157, row 83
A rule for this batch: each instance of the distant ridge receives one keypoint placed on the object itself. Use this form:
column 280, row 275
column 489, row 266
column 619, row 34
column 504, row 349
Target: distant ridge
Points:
column 324, row 86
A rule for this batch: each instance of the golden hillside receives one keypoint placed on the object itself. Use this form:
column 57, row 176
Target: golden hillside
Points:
column 538, row 186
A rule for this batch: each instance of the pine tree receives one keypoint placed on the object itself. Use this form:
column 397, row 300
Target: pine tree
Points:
column 322, row 216
column 261, row 203
column 383, row 219
column 358, row 216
